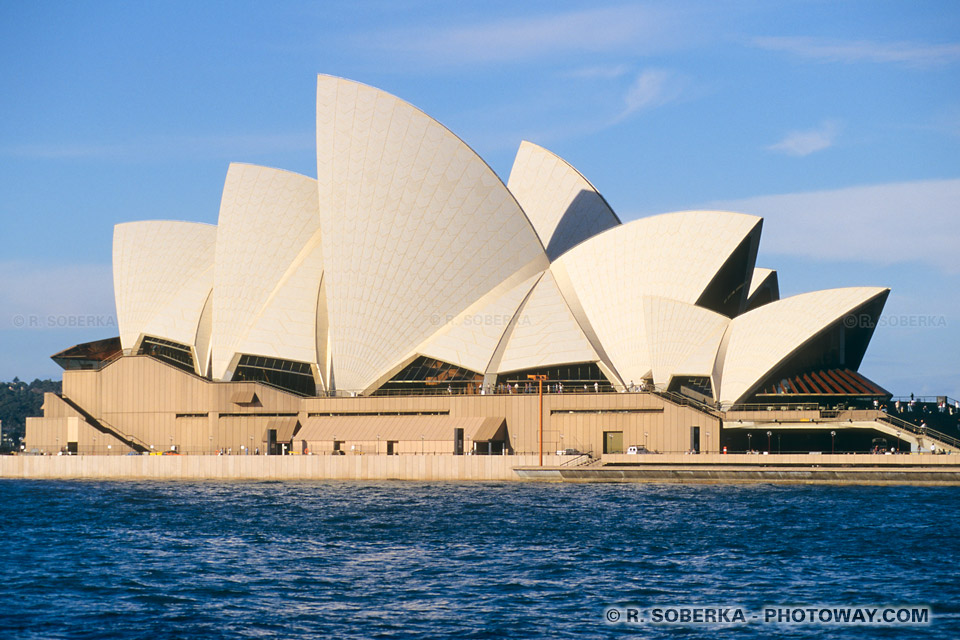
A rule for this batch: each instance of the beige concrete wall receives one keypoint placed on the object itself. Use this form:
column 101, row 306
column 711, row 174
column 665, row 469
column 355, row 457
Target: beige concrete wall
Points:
column 162, row 406
column 426, row 468
column 742, row 468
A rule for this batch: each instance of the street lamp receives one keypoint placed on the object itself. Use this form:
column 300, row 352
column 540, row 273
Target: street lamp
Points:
column 749, row 442
column 378, row 444
column 540, row 378
column 646, row 436
column 250, row 448
column 833, row 440
column 769, row 433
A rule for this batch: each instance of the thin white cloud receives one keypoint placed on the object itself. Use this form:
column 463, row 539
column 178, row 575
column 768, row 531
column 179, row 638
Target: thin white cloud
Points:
column 602, row 72
column 651, row 88
column 906, row 53
column 803, row 143
column 880, row 224
column 626, row 29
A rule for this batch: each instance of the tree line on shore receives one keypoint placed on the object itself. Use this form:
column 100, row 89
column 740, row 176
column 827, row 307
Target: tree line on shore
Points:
column 20, row 400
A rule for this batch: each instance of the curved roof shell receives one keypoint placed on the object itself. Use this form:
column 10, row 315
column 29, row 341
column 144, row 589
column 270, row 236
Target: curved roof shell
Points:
column 407, row 244
column 162, row 277
column 674, row 256
column 268, row 266
column 415, row 225
column 760, row 340
column 564, row 208
column 545, row 332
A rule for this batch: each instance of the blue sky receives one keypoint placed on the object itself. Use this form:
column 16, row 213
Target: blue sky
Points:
column 839, row 122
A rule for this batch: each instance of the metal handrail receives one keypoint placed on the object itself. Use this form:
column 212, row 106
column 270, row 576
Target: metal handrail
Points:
column 924, row 399
column 776, row 406
column 577, row 460
column 104, row 426
column 926, row 432
column 686, row 401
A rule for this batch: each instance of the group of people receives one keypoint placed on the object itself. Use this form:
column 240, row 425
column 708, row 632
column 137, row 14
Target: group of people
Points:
column 529, row 387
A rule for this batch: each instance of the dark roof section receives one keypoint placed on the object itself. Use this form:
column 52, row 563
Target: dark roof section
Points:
column 826, row 382
column 89, row 355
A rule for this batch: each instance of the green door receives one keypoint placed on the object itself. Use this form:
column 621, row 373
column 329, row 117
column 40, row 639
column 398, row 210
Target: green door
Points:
column 613, row 441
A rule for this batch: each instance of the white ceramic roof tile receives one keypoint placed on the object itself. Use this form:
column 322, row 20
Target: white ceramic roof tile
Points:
column 162, row 273
column 545, row 333
column 682, row 339
column 562, row 205
column 759, row 340
column 267, row 255
column 760, row 277
column 674, row 255
column 470, row 339
column 415, row 225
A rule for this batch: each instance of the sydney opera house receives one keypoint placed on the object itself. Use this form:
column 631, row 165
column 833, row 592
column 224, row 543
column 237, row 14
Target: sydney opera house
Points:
column 406, row 300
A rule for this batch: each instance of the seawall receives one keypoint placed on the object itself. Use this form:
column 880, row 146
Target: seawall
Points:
column 210, row 467
column 707, row 468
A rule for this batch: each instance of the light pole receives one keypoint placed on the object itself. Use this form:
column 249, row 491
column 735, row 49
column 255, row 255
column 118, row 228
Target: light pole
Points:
column 749, row 442
column 898, row 441
column 378, row 444
column 646, row 436
column 833, row 441
column 769, row 433
column 211, row 445
column 540, row 378
column 250, row 448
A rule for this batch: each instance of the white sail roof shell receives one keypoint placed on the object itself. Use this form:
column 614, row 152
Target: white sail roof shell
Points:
column 415, row 225
column 162, row 276
column 682, row 339
column 673, row 256
column 470, row 338
column 545, row 332
column 761, row 277
column 757, row 341
column 564, row 208
column 268, row 266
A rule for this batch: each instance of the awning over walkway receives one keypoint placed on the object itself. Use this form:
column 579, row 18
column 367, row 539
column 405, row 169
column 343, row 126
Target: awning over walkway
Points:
column 285, row 427
column 370, row 428
column 248, row 396
column 492, row 429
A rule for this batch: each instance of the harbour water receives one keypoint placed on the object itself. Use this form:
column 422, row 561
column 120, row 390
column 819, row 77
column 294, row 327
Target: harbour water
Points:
column 408, row 560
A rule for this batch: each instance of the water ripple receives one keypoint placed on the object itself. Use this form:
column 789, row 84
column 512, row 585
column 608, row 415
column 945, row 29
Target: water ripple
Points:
column 392, row 560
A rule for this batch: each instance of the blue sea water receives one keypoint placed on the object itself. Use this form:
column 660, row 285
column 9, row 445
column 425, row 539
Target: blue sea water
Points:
column 406, row 560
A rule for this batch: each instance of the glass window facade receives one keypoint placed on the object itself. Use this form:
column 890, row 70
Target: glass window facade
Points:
column 179, row 355
column 288, row 375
